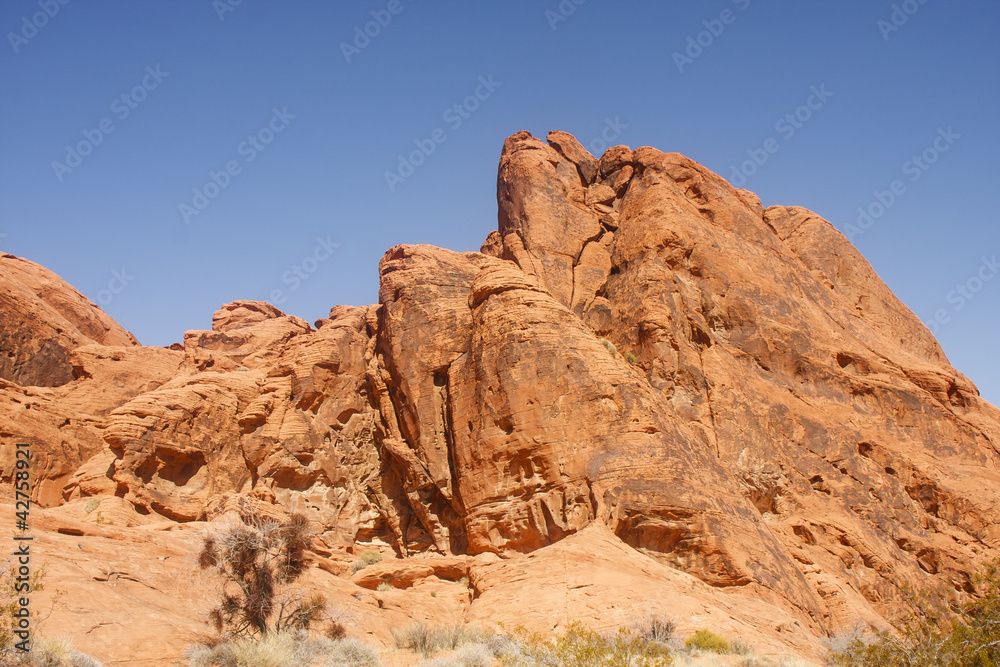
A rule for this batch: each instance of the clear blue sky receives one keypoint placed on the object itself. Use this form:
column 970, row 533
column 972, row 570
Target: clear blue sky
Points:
column 216, row 77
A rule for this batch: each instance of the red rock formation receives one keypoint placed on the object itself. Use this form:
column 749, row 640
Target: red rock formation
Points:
column 641, row 359
column 42, row 319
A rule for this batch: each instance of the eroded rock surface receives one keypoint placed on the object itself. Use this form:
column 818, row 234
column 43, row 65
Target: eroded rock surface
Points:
column 641, row 361
column 42, row 320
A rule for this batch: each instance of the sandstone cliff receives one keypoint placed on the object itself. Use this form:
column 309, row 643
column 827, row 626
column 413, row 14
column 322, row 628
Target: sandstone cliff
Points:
column 641, row 357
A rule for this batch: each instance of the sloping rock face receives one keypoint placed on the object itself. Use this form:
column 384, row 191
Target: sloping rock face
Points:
column 42, row 319
column 639, row 353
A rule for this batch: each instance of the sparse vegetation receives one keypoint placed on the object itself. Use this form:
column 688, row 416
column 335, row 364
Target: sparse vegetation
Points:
column 706, row 640
column 48, row 652
column 610, row 346
column 285, row 649
column 940, row 633
column 631, row 358
column 580, row 646
column 426, row 641
column 10, row 608
column 384, row 586
column 366, row 559
column 656, row 628
column 255, row 560
column 92, row 505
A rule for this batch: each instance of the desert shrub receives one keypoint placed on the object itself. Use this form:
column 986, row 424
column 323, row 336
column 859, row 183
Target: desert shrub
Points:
column 473, row 655
column 351, row 652
column 10, row 591
column 579, row 647
column 441, row 662
column 610, row 346
column 336, row 630
column 706, row 640
column 284, row 649
column 366, row 559
column 384, row 586
column 49, row 652
column 940, row 633
column 255, row 561
column 739, row 647
column 92, row 505
column 419, row 638
column 416, row 637
column 655, row 628
column 631, row 358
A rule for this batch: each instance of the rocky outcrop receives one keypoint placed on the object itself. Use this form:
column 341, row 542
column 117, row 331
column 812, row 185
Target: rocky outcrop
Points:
column 42, row 319
column 641, row 360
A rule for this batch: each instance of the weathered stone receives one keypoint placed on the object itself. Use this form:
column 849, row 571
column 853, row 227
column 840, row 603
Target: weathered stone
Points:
column 681, row 392
column 573, row 151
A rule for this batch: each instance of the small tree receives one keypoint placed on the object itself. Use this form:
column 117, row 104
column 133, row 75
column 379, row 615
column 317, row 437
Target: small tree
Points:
column 255, row 560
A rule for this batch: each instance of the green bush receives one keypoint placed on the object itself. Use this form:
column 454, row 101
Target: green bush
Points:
column 706, row 640
column 366, row 559
column 941, row 633
column 631, row 358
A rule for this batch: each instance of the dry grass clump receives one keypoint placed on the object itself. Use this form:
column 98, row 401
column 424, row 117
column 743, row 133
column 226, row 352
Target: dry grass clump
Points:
column 424, row 640
column 285, row 649
column 48, row 652
column 366, row 559
column 610, row 346
column 579, row 646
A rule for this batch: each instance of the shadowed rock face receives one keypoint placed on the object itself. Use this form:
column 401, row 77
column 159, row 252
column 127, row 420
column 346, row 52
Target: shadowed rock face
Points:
column 42, row 319
column 638, row 346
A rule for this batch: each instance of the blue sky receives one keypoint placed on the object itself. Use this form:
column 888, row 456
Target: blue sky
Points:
column 165, row 96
